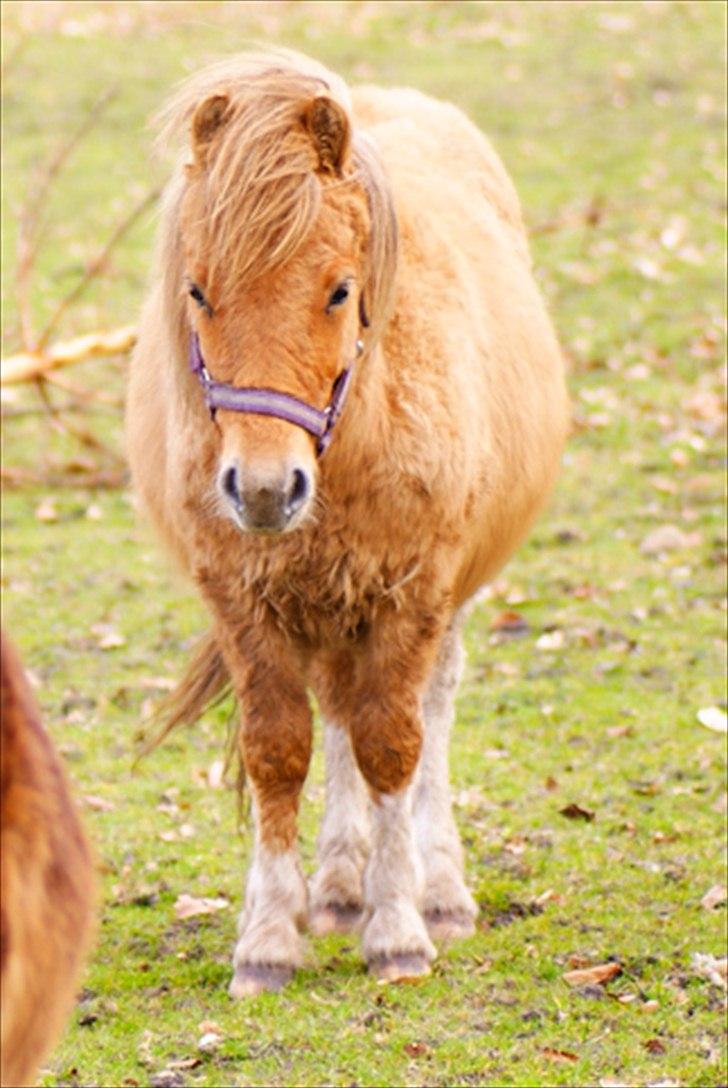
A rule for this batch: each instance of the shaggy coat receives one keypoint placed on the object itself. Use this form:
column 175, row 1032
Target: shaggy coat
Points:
column 47, row 885
column 346, row 575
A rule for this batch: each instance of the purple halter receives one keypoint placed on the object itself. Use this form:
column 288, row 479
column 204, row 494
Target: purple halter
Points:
column 267, row 402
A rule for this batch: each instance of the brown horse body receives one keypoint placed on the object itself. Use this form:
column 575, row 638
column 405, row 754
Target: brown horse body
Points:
column 47, row 885
column 347, row 575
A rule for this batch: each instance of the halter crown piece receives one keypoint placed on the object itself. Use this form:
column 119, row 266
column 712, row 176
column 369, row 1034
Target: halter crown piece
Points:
column 268, row 402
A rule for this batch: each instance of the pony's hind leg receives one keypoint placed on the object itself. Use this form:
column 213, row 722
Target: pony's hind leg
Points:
column 275, row 738
column 448, row 907
column 342, row 848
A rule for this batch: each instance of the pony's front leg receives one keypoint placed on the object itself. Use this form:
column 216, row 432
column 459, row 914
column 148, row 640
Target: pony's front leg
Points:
column 449, row 908
column 342, row 847
column 382, row 708
column 275, row 740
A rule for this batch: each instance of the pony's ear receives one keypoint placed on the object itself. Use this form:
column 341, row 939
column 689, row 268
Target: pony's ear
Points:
column 330, row 131
column 207, row 119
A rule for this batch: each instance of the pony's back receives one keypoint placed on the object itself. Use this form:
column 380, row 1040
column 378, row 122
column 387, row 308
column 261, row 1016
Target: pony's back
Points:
column 47, row 884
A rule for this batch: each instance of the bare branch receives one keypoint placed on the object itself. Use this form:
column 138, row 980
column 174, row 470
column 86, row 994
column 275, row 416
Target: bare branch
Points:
column 97, row 265
column 29, row 232
column 28, row 366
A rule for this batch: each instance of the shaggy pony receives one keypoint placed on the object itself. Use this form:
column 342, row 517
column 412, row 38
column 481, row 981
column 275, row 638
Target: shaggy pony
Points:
column 309, row 233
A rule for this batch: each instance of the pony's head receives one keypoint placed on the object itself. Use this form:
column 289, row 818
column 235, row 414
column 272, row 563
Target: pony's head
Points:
column 286, row 246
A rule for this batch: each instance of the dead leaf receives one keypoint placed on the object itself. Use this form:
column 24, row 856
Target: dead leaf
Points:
column 559, row 1055
column 714, row 897
column 712, row 717
column 209, row 1042
column 576, row 812
column 416, row 1050
column 215, row 775
column 166, row 1078
column 654, row 1046
column 599, row 974
column 710, row 967
column 210, row 1025
column 97, row 804
column 620, row 731
column 511, row 624
column 608, row 1082
column 668, row 538
column 109, row 638
column 187, row 906
column 46, row 511
column 551, row 640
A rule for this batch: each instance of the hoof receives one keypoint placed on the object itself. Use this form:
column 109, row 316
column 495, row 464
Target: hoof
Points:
column 409, row 967
column 257, row 978
column 335, row 918
column 449, row 925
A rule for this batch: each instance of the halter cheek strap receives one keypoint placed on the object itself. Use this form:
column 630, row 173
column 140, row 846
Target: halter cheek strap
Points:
column 268, row 402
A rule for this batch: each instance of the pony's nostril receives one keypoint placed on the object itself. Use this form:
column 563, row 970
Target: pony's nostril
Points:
column 230, row 484
column 297, row 492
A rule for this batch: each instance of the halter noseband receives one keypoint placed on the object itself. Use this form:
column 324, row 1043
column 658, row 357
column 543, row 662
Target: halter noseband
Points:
column 268, row 402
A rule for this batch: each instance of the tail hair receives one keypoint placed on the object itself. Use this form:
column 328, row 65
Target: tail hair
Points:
column 205, row 683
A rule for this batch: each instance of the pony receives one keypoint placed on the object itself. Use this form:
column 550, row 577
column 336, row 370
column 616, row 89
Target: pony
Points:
column 345, row 408
column 48, row 888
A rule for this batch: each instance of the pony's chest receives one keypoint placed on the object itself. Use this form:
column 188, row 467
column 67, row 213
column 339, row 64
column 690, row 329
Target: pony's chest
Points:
column 328, row 595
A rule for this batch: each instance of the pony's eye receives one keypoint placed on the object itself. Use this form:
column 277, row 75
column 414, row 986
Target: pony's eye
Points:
column 339, row 296
column 197, row 295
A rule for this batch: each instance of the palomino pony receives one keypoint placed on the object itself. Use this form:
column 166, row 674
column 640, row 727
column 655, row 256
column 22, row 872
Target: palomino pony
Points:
column 346, row 407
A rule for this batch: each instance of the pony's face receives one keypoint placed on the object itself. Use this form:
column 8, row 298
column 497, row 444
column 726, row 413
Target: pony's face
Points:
column 292, row 329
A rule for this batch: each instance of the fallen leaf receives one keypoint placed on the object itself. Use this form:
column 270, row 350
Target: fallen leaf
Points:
column 559, row 1055
column 710, row 967
column 551, row 640
column 714, row 897
column 97, row 804
column 46, row 511
column 416, row 1050
column 511, row 624
column 187, row 906
column 668, row 538
column 185, row 1063
column 654, row 1046
column 209, row 1042
column 599, row 974
column 210, row 1025
column 576, row 812
column 712, row 717
column 167, row 1078
column 620, row 731
column 109, row 638
column 608, row 1082
column 215, row 775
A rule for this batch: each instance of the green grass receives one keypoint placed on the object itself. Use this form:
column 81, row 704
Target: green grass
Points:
column 613, row 107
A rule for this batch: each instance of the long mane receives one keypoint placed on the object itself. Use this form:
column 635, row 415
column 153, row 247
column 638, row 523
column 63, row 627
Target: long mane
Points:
column 263, row 191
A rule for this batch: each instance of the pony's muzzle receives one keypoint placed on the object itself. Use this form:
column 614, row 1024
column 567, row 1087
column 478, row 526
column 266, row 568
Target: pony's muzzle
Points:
column 265, row 498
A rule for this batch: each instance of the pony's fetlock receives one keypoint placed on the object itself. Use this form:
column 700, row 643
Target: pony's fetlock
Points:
column 395, row 941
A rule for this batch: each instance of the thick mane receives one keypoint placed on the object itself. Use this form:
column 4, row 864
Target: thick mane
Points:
column 263, row 189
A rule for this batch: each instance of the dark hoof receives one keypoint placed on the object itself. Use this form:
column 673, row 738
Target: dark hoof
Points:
column 409, row 967
column 334, row 918
column 449, row 925
column 257, row 978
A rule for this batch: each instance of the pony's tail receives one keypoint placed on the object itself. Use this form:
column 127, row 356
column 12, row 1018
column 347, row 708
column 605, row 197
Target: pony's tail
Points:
column 206, row 681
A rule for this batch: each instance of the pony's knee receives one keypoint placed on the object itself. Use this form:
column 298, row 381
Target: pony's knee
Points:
column 387, row 751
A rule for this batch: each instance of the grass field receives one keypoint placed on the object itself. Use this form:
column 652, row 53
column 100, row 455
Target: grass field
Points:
column 609, row 117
